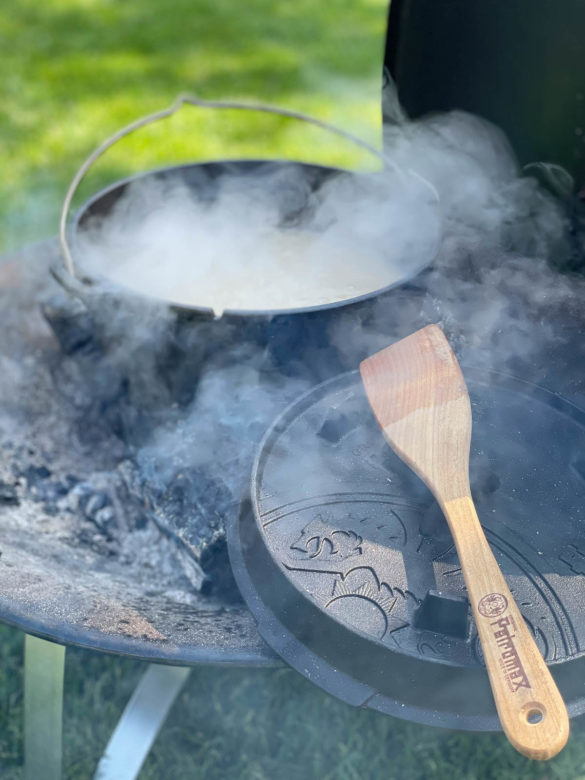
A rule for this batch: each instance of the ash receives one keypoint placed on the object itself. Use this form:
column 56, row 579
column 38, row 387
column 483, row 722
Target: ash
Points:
column 77, row 476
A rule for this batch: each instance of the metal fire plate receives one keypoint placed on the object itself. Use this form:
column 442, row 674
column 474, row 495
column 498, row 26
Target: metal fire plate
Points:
column 61, row 577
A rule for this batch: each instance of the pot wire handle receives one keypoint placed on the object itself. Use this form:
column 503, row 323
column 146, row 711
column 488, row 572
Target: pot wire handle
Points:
column 200, row 102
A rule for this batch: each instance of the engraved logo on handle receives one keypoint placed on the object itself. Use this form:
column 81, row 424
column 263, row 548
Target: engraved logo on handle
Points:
column 493, row 606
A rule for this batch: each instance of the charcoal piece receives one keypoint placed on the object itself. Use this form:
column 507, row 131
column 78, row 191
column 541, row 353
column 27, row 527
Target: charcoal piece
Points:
column 35, row 473
column 190, row 568
column 140, row 520
column 71, row 322
column 53, row 491
column 219, row 580
column 129, row 499
column 193, row 506
column 93, row 503
column 111, row 501
column 39, row 486
column 105, row 518
column 8, row 494
column 81, row 494
column 71, row 481
column 103, row 545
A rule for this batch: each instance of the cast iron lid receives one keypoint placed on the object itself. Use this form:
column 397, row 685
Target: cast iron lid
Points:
column 348, row 566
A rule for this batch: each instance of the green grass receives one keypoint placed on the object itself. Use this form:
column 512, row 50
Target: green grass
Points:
column 254, row 724
column 75, row 71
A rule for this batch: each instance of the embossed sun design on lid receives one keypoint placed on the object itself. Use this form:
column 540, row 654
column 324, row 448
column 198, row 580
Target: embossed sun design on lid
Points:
column 360, row 600
column 347, row 568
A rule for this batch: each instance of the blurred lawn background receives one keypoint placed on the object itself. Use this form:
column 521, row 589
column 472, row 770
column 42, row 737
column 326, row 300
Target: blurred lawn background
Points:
column 73, row 72
column 254, row 724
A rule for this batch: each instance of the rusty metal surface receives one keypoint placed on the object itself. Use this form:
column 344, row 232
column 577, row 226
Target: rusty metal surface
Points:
column 67, row 575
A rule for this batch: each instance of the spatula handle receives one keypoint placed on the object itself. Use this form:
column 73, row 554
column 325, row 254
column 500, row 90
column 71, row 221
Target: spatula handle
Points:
column 531, row 709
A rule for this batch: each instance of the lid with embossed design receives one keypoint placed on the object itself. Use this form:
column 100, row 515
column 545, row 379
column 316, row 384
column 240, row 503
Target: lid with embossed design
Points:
column 347, row 564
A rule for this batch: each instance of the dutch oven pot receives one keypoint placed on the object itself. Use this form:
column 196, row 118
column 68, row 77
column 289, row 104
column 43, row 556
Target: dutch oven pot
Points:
column 297, row 339
column 346, row 562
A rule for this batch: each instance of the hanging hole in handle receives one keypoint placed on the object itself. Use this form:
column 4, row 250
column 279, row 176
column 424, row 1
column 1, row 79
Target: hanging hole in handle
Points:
column 533, row 713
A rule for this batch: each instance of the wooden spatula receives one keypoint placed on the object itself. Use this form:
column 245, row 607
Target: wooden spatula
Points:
column 419, row 397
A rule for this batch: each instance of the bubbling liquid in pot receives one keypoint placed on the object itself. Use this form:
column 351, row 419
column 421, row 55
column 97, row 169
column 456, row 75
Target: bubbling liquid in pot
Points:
column 236, row 254
column 284, row 270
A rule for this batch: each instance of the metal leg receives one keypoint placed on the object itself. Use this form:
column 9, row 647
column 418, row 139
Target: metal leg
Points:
column 141, row 721
column 44, row 665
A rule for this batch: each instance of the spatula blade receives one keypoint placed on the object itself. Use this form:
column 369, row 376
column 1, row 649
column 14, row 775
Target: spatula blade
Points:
column 418, row 395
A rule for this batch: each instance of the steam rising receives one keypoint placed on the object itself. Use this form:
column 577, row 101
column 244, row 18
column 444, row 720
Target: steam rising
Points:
column 190, row 398
column 265, row 241
column 491, row 286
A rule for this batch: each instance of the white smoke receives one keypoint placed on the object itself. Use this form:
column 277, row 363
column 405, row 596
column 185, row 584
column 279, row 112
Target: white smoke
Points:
column 452, row 201
column 353, row 235
column 342, row 241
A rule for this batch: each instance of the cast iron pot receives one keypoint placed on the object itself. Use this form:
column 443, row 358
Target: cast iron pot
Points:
column 298, row 340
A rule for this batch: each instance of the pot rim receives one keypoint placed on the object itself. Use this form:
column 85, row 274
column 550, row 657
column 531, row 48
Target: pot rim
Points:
column 98, row 281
